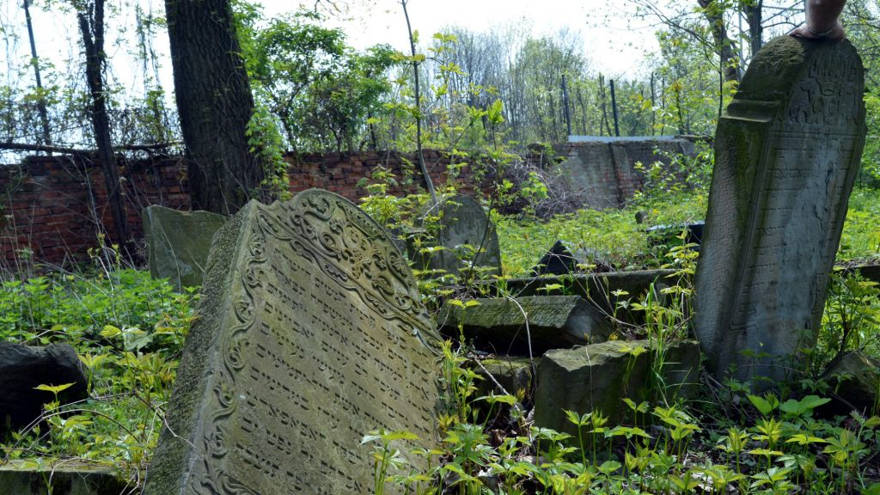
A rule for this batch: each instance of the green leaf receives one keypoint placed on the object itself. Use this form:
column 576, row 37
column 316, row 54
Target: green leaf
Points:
column 609, row 467
column 55, row 389
column 764, row 406
column 764, row 452
column 803, row 406
column 493, row 399
column 495, row 112
column 872, row 490
column 400, row 435
column 110, row 331
column 551, row 287
column 872, row 422
column 804, row 439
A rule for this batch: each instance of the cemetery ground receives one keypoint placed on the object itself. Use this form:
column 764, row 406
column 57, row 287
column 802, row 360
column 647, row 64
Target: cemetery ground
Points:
column 129, row 330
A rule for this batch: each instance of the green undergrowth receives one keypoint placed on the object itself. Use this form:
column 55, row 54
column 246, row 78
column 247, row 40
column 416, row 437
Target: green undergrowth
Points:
column 615, row 237
column 739, row 443
column 718, row 439
column 612, row 235
column 128, row 331
column 861, row 231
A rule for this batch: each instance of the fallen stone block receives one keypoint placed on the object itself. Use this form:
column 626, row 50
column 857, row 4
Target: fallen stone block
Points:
column 598, row 377
column 32, row 477
column 512, row 373
column 855, row 381
column 499, row 324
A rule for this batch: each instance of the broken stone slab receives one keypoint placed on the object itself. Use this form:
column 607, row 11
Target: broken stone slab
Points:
column 868, row 271
column 855, row 378
column 597, row 288
column 22, row 368
column 787, row 154
column 178, row 243
column 560, row 261
column 310, row 334
column 39, row 477
column 598, row 377
column 500, row 323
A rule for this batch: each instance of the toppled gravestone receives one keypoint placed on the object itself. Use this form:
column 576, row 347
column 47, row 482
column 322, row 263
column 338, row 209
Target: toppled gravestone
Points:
column 855, row 381
column 500, row 323
column 22, row 368
column 178, row 243
column 64, row 477
column 560, row 261
column 310, row 334
column 463, row 223
column 597, row 377
column 787, row 152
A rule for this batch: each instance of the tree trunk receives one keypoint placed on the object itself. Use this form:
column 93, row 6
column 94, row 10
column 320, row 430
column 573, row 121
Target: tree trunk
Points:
column 723, row 44
column 91, row 25
column 756, row 30
column 214, row 103
column 35, row 62
column 415, row 65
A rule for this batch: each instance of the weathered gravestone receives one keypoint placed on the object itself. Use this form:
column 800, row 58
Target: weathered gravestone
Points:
column 787, row 152
column 311, row 334
column 463, row 222
column 178, row 243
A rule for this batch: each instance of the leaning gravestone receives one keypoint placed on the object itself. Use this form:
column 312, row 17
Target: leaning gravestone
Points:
column 787, row 152
column 463, row 222
column 178, row 243
column 311, row 334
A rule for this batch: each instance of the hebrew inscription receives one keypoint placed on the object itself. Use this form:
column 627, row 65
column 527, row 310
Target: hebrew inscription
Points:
column 786, row 157
column 321, row 339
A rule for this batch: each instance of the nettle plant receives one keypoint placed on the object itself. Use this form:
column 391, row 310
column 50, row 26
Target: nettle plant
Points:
column 416, row 222
column 755, row 444
column 128, row 331
column 489, row 445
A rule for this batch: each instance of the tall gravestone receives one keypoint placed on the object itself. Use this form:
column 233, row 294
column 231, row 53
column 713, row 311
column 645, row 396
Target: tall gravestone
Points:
column 311, row 333
column 786, row 154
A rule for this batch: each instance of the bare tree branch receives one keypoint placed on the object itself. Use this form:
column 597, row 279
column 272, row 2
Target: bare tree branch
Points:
column 82, row 151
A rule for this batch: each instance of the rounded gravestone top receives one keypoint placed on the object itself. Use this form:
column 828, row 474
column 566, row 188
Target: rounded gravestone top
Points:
column 361, row 249
column 780, row 63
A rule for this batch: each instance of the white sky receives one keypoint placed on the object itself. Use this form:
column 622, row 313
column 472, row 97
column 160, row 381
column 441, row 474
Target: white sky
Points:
column 614, row 43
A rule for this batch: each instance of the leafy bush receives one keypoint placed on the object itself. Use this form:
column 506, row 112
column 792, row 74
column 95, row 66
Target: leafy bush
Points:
column 760, row 444
column 128, row 330
column 614, row 235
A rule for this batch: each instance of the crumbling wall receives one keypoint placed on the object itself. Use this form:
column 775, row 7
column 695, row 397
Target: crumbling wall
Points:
column 602, row 170
column 53, row 209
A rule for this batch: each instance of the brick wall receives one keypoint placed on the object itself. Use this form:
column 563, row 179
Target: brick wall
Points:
column 55, row 207
column 341, row 172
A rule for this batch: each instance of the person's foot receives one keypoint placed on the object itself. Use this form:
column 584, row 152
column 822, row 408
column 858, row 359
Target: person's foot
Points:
column 835, row 33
